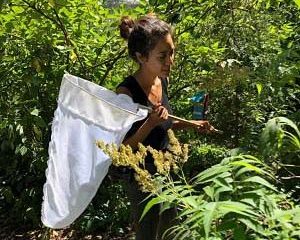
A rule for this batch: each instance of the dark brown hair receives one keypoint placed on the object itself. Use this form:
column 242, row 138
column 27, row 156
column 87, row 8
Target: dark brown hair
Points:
column 143, row 34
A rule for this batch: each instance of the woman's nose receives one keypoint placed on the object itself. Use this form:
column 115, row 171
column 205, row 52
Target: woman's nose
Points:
column 170, row 60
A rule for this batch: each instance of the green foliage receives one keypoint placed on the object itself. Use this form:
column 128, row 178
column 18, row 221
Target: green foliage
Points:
column 39, row 40
column 235, row 199
column 108, row 212
column 203, row 156
column 280, row 147
column 244, row 53
column 276, row 138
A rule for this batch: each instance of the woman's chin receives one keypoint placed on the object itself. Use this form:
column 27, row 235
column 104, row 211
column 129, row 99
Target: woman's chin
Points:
column 164, row 74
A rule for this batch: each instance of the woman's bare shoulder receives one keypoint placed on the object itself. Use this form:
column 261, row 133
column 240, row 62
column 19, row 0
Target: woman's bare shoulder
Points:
column 123, row 90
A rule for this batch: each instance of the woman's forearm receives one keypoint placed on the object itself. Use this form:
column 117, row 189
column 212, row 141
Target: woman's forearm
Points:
column 199, row 125
column 179, row 125
column 139, row 136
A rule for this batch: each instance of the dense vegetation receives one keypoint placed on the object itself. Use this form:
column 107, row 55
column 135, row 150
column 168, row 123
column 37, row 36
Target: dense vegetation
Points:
column 244, row 53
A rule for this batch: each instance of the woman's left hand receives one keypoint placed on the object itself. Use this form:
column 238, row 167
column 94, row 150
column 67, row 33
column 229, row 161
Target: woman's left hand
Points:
column 202, row 126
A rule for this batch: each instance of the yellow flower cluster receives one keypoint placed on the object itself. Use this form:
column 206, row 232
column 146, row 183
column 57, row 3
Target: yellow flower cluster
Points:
column 179, row 152
column 164, row 161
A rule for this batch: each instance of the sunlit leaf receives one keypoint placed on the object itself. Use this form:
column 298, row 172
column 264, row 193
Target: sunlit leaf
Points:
column 297, row 2
column 259, row 180
column 259, row 87
column 209, row 214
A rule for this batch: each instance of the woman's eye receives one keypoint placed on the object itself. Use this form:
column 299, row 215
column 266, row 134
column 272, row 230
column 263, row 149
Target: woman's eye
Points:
column 162, row 58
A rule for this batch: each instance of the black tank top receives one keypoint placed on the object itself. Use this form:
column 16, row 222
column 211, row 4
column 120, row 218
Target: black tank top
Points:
column 158, row 137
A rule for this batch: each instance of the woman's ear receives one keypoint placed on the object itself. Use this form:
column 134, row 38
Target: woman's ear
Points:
column 140, row 58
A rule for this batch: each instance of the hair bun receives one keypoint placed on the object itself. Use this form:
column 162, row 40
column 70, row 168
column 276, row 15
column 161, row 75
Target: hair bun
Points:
column 126, row 27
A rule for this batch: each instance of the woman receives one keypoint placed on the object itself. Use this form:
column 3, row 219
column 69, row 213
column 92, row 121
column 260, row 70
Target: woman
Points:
column 150, row 44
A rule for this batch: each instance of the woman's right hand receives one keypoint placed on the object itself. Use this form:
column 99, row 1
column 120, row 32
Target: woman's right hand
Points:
column 158, row 115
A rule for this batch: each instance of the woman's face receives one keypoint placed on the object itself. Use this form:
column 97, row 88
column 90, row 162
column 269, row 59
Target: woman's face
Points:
column 160, row 59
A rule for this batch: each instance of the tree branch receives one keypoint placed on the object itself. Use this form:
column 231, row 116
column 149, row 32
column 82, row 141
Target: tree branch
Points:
column 34, row 7
column 291, row 177
column 199, row 19
column 68, row 40
column 110, row 64
column 290, row 165
column 62, row 27
column 183, row 87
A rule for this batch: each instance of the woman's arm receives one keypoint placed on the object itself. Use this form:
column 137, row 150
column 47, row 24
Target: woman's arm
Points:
column 159, row 114
column 202, row 126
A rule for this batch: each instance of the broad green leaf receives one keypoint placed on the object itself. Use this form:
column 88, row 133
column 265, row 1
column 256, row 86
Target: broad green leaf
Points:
column 191, row 200
column 222, row 190
column 247, row 165
column 249, row 201
column 225, row 182
column 209, row 190
column 195, row 218
column 209, row 214
column 252, row 224
column 297, row 2
column 288, row 122
column 150, row 204
column 236, row 207
column 259, row 180
column 211, row 173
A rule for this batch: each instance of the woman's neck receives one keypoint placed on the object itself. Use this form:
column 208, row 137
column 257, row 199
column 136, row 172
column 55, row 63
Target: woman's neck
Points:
column 145, row 79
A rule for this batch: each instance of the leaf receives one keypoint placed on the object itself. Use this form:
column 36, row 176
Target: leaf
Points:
column 18, row 9
column 162, row 1
column 236, row 207
column 249, row 201
column 150, row 204
column 73, row 56
column 40, row 122
column 195, row 217
column 208, row 216
column 211, row 173
column 165, row 206
column 257, row 179
column 7, row 193
column 209, row 191
column 297, row 2
column 38, row 132
column 35, row 112
column 152, row 2
column 288, row 122
column 294, row 140
column 191, row 201
column 225, row 182
column 221, row 190
column 254, row 225
column 23, row 150
column 36, row 64
column 247, row 165
column 259, row 88
column 51, row 3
